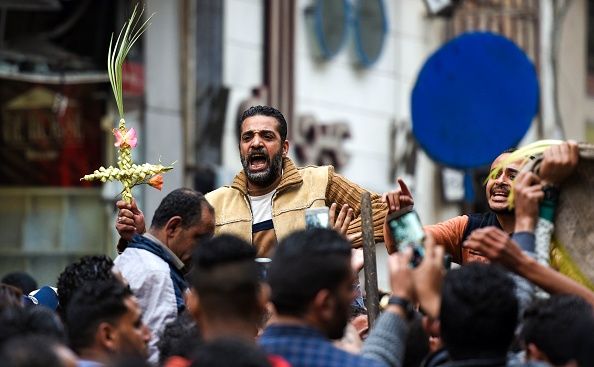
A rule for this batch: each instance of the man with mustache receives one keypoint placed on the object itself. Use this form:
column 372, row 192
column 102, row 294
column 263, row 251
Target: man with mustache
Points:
column 558, row 162
column 267, row 199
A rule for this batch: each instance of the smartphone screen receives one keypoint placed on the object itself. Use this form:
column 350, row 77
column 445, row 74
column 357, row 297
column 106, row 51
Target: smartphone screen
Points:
column 407, row 231
column 317, row 217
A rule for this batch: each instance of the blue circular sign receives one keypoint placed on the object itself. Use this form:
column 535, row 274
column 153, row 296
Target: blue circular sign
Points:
column 475, row 97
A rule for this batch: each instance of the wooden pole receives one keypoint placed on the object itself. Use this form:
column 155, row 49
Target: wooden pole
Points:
column 369, row 266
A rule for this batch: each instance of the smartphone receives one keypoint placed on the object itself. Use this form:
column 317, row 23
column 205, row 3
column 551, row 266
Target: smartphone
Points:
column 407, row 231
column 317, row 217
column 263, row 265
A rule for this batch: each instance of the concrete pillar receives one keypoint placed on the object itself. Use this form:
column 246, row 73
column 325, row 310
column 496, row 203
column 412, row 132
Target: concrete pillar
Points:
column 163, row 118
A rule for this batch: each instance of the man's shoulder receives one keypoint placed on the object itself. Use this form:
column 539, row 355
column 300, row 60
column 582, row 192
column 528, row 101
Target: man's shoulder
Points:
column 315, row 173
column 300, row 348
column 138, row 259
column 222, row 193
column 309, row 167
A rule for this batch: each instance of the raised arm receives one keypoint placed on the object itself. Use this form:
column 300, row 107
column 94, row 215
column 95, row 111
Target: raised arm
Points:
column 342, row 191
column 498, row 247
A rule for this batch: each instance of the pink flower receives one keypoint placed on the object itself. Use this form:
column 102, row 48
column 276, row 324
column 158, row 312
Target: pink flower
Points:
column 156, row 182
column 128, row 139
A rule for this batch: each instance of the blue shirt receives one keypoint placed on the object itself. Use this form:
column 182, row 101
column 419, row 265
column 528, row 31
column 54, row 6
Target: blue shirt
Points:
column 307, row 347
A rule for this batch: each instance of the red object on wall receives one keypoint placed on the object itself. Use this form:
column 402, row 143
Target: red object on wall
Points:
column 133, row 78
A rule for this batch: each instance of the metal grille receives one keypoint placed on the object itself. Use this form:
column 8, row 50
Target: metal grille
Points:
column 514, row 19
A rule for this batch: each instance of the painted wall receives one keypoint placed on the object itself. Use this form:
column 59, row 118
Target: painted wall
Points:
column 370, row 100
column 163, row 99
column 577, row 107
column 243, row 55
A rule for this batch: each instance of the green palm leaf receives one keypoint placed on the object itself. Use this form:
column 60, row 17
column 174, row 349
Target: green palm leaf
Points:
column 129, row 34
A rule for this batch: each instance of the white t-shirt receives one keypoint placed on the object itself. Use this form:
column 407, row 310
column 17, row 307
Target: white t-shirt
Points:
column 262, row 207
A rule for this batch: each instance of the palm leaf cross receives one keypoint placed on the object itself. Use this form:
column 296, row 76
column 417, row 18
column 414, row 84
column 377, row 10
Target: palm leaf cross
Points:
column 127, row 172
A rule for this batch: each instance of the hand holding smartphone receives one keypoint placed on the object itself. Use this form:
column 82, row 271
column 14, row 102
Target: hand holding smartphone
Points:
column 407, row 231
column 317, row 217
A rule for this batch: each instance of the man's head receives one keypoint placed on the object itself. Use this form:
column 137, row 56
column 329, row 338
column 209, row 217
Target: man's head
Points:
column 180, row 337
column 182, row 221
column 230, row 352
column 551, row 329
column 478, row 313
column 499, row 187
column 86, row 269
column 311, row 279
column 225, row 281
column 33, row 320
column 263, row 144
column 36, row 350
column 104, row 320
column 21, row 280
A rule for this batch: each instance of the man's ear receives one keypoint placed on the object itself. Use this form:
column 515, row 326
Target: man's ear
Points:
column 323, row 304
column 106, row 337
column 535, row 354
column 173, row 226
column 285, row 148
column 263, row 296
column 193, row 304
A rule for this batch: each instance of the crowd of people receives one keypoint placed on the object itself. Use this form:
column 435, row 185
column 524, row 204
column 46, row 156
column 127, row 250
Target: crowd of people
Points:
column 234, row 278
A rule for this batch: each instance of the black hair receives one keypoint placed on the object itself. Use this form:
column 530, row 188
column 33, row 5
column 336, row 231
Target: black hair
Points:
column 304, row 263
column 86, row 269
column 553, row 325
column 479, row 312
column 24, row 281
column 417, row 343
column 31, row 351
column 10, row 296
column 92, row 304
column 34, row 320
column 270, row 112
column 180, row 338
column 225, row 276
column 129, row 361
column 221, row 250
column 230, row 352
column 185, row 203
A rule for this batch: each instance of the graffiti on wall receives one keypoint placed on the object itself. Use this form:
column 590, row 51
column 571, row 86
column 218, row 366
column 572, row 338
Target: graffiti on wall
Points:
column 403, row 152
column 321, row 143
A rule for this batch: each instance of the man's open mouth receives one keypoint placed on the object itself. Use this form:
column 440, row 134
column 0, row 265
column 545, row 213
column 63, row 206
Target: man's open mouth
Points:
column 500, row 192
column 258, row 161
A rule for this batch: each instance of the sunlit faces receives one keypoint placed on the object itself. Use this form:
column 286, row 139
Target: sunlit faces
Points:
column 261, row 149
column 130, row 333
column 186, row 239
column 498, row 188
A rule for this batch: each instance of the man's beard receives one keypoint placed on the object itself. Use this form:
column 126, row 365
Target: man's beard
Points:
column 266, row 177
column 336, row 327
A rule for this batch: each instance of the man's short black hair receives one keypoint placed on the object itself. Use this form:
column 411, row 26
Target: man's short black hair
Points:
column 225, row 276
column 86, row 269
column 92, row 304
column 34, row 320
column 479, row 312
column 24, row 281
column 270, row 112
column 31, row 351
column 185, row 203
column 230, row 352
column 10, row 296
column 304, row 263
column 553, row 325
column 180, row 338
